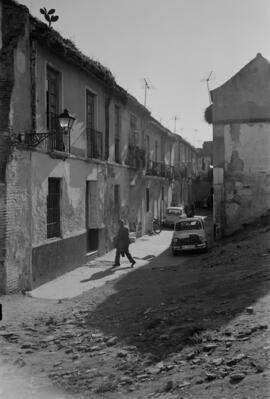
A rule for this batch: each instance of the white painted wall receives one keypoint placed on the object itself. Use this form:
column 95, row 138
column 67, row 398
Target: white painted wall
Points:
column 253, row 146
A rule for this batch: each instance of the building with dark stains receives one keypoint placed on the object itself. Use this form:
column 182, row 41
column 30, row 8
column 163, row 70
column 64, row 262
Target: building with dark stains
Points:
column 63, row 191
column 240, row 114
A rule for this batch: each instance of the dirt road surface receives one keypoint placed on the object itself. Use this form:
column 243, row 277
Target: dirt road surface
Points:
column 191, row 326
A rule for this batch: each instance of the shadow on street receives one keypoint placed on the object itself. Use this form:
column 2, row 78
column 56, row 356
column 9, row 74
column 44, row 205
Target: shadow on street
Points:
column 103, row 273
column 161, row 307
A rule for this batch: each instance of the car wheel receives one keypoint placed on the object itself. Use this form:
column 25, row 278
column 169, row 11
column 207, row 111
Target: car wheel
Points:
column 174, row 253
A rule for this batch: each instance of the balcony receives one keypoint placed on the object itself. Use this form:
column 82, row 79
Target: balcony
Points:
column 159, row 169
column 94, row 144
column 135, row 157
column 54, row 139
column 184, row 170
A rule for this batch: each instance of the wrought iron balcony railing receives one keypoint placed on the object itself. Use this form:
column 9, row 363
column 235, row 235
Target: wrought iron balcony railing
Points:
column 55, row 138
column 160, row 169
column 135, row 157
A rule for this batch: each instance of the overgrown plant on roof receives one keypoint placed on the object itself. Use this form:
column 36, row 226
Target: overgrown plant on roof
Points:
column 49, row 15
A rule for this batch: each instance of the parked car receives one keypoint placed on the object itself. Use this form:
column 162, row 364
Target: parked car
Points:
column 189, row 234
column 173, row 215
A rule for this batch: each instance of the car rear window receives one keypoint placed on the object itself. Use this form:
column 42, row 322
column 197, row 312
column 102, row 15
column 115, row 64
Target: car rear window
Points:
column 188, row 225
column 174, row 212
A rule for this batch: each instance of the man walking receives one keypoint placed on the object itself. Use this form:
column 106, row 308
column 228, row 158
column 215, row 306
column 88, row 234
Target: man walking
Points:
column 122, row 244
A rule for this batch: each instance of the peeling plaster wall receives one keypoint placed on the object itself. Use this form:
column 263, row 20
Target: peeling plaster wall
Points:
column 55, row 256
column 124, row 133
column 219, row 212
column 241, row 135
column 252, row 142
column 73, row 174
column 138, row 215
column 124, row 130
column 247, row 173
column 154, row 136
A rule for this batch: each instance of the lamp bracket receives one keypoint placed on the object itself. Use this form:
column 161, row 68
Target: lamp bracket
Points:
column 34, row 139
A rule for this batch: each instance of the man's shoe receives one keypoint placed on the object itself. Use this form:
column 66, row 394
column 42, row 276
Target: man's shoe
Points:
column 116, row 264
column 133, row 263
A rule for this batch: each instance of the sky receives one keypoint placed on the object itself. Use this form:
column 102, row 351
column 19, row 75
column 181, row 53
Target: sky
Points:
column 174, row 44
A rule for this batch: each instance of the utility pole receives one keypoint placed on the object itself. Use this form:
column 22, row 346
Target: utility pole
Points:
column 146, row 87
column 207, row 80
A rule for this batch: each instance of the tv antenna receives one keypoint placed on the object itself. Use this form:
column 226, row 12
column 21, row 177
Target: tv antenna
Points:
column 207, row 80
column 147, row 86
column 175, row 118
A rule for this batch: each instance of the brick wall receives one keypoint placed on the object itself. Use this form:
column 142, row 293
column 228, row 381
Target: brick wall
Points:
column 2, row 236
column 12, row 26
column 18, row 231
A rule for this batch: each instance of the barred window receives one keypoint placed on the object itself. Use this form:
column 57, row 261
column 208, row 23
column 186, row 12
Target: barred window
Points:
column 133, row 131
column 117, row 131
column 147, row 192
column 53, row 207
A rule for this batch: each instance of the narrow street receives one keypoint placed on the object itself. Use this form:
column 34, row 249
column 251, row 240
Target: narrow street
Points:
column 191, row 326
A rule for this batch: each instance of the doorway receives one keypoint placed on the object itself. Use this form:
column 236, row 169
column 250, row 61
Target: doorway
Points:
column 92, row 239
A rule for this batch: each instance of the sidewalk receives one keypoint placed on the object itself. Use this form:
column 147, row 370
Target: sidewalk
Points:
column 99, row 271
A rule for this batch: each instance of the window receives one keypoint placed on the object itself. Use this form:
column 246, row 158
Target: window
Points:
column 148, row 147
column 186, row 154
column 179, row 152
column 189, row 225
column 57, row 141
column 172, row 211
column 156, row 150
column 133, row 130
column 53, row 98
column 94, row 138
column 53, row 207
column 147, row 199
column 117, row 130
column 189, row 155
column 170, row 154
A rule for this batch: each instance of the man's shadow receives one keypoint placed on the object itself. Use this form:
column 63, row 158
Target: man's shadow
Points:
column 104, row 273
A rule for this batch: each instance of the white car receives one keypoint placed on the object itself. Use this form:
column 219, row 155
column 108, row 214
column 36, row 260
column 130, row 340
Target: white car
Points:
column 189, row 234
column 173, row 215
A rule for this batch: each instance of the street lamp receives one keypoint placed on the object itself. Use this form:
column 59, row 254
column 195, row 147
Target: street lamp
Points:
column 66, row 121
